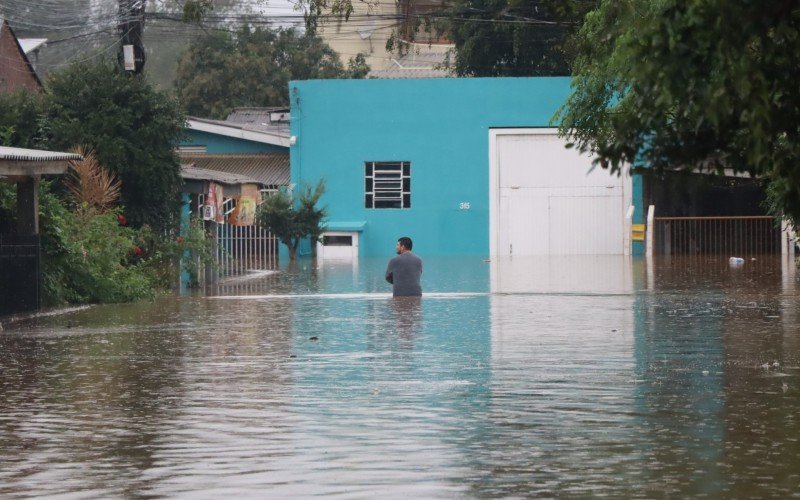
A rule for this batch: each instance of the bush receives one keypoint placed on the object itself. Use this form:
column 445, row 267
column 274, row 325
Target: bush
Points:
column 291, row 222
column 86, row 256
column 161, row 254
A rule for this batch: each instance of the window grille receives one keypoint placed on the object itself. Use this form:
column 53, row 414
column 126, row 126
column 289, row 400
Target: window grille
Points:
column 387, row 184
column 192, row 149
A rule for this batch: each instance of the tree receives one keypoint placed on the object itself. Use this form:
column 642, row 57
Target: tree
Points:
column 132, row 128
column 491, row 37
column 706, row 84
column 252, row 67
column 20, row 119
column 292, row 222
column 508, row 37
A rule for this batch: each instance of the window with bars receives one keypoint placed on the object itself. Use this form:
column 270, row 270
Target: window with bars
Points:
column 387, row 184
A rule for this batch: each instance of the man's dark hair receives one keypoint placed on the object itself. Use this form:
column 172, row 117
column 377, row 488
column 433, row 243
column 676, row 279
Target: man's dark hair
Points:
column 406, row 242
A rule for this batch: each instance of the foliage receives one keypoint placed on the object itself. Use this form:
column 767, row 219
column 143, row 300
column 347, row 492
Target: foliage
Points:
column 131, row 127
column 8, row 202
column 160, row 256
column 92, row 186
column 357, row 67
column 672, row 84
column 252, row 67
column 20, row 119
column 508, row 37
column 491, row 37
column 86, row 256
column 195, row 10
column 291, row 222
column 197, row 251
column 93, row 256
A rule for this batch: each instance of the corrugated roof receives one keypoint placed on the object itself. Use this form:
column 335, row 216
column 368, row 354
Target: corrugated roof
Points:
column 21, row 154
column 190, row 171
column 271, row 169
column 254, row 115
column 280, row 129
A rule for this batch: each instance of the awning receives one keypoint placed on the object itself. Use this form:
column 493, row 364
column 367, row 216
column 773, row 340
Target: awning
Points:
column 33, row 162
column 350, row 226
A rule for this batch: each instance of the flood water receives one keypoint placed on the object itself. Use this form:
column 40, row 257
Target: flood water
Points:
column 565, row 377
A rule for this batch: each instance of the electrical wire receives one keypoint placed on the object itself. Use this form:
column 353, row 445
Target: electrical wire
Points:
column 101, row 21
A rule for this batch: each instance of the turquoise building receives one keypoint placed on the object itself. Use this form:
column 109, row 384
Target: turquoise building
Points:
column 464, row 166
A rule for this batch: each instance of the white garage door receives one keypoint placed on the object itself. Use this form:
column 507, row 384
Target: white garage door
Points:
column 547, row 201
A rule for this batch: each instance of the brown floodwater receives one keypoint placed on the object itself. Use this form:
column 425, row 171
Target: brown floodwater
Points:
column 573, row 377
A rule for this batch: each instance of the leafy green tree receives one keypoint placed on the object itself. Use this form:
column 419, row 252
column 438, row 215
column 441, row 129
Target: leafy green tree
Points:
column 20, row 119
column 132, row 128
column 507, row 37
column 292, row 222
column 707, row 84
column 252, row 67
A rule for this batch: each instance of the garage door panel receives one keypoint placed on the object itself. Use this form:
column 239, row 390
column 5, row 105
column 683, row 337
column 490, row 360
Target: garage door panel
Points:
column 524, row 211
column 581, row 225
column 542, row 161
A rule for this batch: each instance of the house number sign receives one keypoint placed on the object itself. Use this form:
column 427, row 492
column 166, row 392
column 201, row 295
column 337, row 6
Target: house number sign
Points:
column 464, row 205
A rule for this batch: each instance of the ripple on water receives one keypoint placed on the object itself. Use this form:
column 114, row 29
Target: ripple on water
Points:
column 655, row 387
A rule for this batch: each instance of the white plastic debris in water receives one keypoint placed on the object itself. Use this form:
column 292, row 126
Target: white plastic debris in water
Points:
column 736, row 261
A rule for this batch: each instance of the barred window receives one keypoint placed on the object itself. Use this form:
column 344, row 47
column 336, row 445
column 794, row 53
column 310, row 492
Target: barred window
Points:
column 387, row 184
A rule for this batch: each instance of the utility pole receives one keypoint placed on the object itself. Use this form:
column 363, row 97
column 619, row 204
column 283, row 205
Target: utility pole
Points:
column 131, row 27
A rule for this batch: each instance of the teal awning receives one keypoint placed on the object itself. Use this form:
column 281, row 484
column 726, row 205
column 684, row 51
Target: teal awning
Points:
column 357, row 226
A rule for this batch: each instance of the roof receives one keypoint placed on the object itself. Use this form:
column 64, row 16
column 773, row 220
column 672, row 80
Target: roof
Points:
column 256, row 116
column 22, row 53
column 350, row 225
column 275, row 134
column 32, row 162
column 202, row 174
column 30, row 44
column 415, row 65
column 21, row 154
column 271, row 169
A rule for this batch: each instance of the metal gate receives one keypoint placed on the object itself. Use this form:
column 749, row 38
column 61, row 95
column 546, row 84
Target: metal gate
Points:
column 738, row 236
column 19, row 274
column 241, row 249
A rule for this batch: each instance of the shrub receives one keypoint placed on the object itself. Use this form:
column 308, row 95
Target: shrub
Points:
column 85, row 256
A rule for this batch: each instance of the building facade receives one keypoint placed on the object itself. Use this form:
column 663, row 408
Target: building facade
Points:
column 462, row 166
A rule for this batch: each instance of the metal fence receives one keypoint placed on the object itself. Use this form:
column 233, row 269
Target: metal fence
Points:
column 19, row 274
column 241, row 249
column 745, row 235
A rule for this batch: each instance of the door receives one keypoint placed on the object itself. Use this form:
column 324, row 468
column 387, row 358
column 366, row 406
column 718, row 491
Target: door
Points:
column 550, row 203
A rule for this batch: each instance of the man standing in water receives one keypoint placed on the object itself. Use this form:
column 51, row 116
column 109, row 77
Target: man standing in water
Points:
column 405, row 270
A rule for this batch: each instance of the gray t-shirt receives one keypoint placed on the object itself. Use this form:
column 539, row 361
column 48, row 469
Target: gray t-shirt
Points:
column 403, row 273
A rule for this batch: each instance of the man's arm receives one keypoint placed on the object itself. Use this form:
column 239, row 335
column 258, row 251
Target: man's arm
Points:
column 389, row 273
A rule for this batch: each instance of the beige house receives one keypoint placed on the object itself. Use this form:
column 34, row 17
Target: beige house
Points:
column 370, row 26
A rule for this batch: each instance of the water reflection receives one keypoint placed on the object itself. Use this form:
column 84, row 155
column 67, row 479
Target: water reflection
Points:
column 524, row 377
column 604, row 274
column 407, row 316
